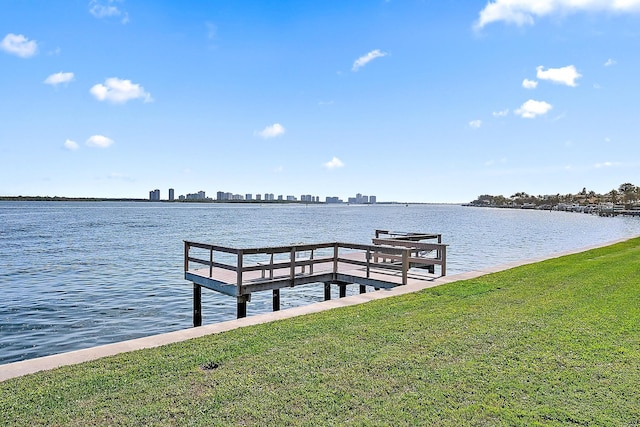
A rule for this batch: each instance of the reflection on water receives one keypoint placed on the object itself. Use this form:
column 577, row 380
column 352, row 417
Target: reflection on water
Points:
column 75, row 275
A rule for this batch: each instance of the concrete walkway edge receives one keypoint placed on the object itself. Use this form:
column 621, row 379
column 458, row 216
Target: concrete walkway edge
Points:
column 25, row 367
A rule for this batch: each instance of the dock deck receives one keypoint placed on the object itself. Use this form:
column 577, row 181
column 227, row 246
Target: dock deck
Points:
column 393, row 261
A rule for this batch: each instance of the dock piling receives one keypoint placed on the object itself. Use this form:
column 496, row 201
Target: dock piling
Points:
column 242, row 305
column 343, row 290
column 327, row 291
column 197, row 305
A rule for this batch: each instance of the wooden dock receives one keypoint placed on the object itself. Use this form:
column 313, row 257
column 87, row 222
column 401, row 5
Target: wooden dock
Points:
column 393, row 259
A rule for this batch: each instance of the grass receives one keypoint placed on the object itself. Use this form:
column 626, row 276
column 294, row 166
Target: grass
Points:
column 553, row 343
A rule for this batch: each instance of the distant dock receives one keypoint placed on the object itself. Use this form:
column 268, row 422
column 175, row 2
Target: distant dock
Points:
column 393, row 259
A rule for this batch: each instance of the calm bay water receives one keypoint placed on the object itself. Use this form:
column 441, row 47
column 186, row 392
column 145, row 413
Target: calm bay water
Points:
column 76, row 275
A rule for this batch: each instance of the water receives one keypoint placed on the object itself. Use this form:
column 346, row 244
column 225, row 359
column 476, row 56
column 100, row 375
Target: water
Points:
column 76, row 275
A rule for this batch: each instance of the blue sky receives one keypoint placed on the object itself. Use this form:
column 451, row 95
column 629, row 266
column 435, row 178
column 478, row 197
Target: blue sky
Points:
column 425, row 101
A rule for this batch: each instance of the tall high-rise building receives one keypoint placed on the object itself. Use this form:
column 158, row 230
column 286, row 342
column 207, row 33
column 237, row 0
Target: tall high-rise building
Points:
column 171, row 195
column 154, row 195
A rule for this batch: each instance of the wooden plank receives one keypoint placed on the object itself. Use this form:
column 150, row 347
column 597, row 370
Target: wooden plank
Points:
column 405, row 265
column 406, row 244
column 287, row 249
column 292, row 269
column 375, row 283
column 212, row 247
column 412, row 260
column 286, row 282
column 214, row 285
column 212, row 264
column 407, row 236
column 361, row 247
column 239, row 277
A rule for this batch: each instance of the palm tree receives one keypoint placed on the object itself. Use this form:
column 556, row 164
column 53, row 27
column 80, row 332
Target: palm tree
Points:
column 628, row 192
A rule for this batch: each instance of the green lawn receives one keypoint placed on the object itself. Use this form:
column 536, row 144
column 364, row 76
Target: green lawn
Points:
column 553, row 343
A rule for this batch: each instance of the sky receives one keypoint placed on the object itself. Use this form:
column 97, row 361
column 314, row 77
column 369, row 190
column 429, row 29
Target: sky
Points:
column 412, row 101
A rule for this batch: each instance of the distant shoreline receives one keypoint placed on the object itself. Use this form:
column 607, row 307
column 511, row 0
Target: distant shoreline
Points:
column 282, row 202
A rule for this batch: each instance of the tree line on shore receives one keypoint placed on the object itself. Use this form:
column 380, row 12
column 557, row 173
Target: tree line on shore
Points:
column 626, row 194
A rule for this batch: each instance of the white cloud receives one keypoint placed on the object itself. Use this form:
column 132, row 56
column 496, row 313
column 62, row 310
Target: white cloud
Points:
column 605, row 165
column 99, row 141
column 607, row 139
column 524, row 12
column 58, row 78
column 71, row 145
column 564, row 75
column 502, row 113
column 532, row 108
column 272, row 131
column 475, row 124
column 610, row 62
column 529, row 84
column 107, row 9
column 119, row 91
column 334, row 163
column 19, row 45
column 365, row 59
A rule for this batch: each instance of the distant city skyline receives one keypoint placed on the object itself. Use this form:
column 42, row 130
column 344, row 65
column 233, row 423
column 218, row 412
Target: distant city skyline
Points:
column 156, row 195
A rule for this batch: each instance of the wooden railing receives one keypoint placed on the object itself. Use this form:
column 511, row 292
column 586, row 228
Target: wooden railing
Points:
column 384, row 254
column 330, row 263
column 424, row 254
